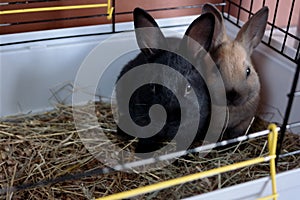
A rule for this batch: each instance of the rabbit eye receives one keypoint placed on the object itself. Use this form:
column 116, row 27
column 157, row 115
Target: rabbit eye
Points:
column 188, row 89
column 248, row 71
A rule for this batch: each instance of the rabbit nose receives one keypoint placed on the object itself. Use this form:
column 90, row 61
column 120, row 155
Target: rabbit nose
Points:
column 233, row 97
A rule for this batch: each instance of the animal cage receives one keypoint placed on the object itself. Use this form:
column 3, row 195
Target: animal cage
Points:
column 44, row 44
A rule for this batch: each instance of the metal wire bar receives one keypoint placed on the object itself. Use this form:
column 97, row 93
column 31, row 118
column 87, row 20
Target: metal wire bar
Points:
column 223, row 7
column 239, row 12
column 288, row 111
column 251, row 8
column 293, row 125
column 268, row 43
column 288, row 26
column 293, row 59
column 239, row 7
column 297, row 94
column 285, row 32
column 273, row 22
column 289, row 154
column 298, row 51
column 229, row 8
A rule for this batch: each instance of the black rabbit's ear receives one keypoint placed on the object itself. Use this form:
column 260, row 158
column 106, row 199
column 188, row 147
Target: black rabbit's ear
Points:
column 220, row 33
column 148, row 35
column 198, row 36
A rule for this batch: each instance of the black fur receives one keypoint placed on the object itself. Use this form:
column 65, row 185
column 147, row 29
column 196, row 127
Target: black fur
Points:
column 150, row 94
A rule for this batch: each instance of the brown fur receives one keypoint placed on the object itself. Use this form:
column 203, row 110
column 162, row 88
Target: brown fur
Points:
column 233, row 58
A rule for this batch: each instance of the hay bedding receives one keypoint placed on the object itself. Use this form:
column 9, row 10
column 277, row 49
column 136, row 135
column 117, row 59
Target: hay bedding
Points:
column 45, row 146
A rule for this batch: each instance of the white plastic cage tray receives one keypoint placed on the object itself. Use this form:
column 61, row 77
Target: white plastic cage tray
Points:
column 287, row 188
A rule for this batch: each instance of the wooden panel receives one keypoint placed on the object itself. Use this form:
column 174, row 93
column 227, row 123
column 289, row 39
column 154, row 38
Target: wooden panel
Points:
column 48, row 15
column 157, row 5
column 162, row 14
column 124, row 6
column 32, row 4
column 52, row 25
column 33, row 21
column 23, row 22
column 13, row 1
column 47, row 5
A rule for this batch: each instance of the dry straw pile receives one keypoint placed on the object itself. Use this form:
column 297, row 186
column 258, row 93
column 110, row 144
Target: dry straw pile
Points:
column 35, row 148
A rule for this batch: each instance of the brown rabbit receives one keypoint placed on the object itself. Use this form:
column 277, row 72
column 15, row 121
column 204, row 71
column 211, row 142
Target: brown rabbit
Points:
column 233, row 59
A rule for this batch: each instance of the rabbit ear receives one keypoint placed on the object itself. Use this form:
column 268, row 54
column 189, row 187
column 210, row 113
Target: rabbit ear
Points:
column 253, row 30
column 199, row 35
column 220, row 33
column 148, row 35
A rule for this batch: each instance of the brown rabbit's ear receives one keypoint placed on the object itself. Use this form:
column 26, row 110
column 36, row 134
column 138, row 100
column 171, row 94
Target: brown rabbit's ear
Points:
column 220, row 33
column 253, row 30
column 199, row 35
column 148, row 35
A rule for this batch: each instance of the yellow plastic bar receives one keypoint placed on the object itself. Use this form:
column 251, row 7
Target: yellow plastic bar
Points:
column 272, row 142
column 184, row 179
column 55, row 8
column 273, row 196
column 110, row 9
column 272, row 139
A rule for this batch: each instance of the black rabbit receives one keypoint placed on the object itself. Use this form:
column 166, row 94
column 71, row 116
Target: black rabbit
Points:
column 185, row 102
